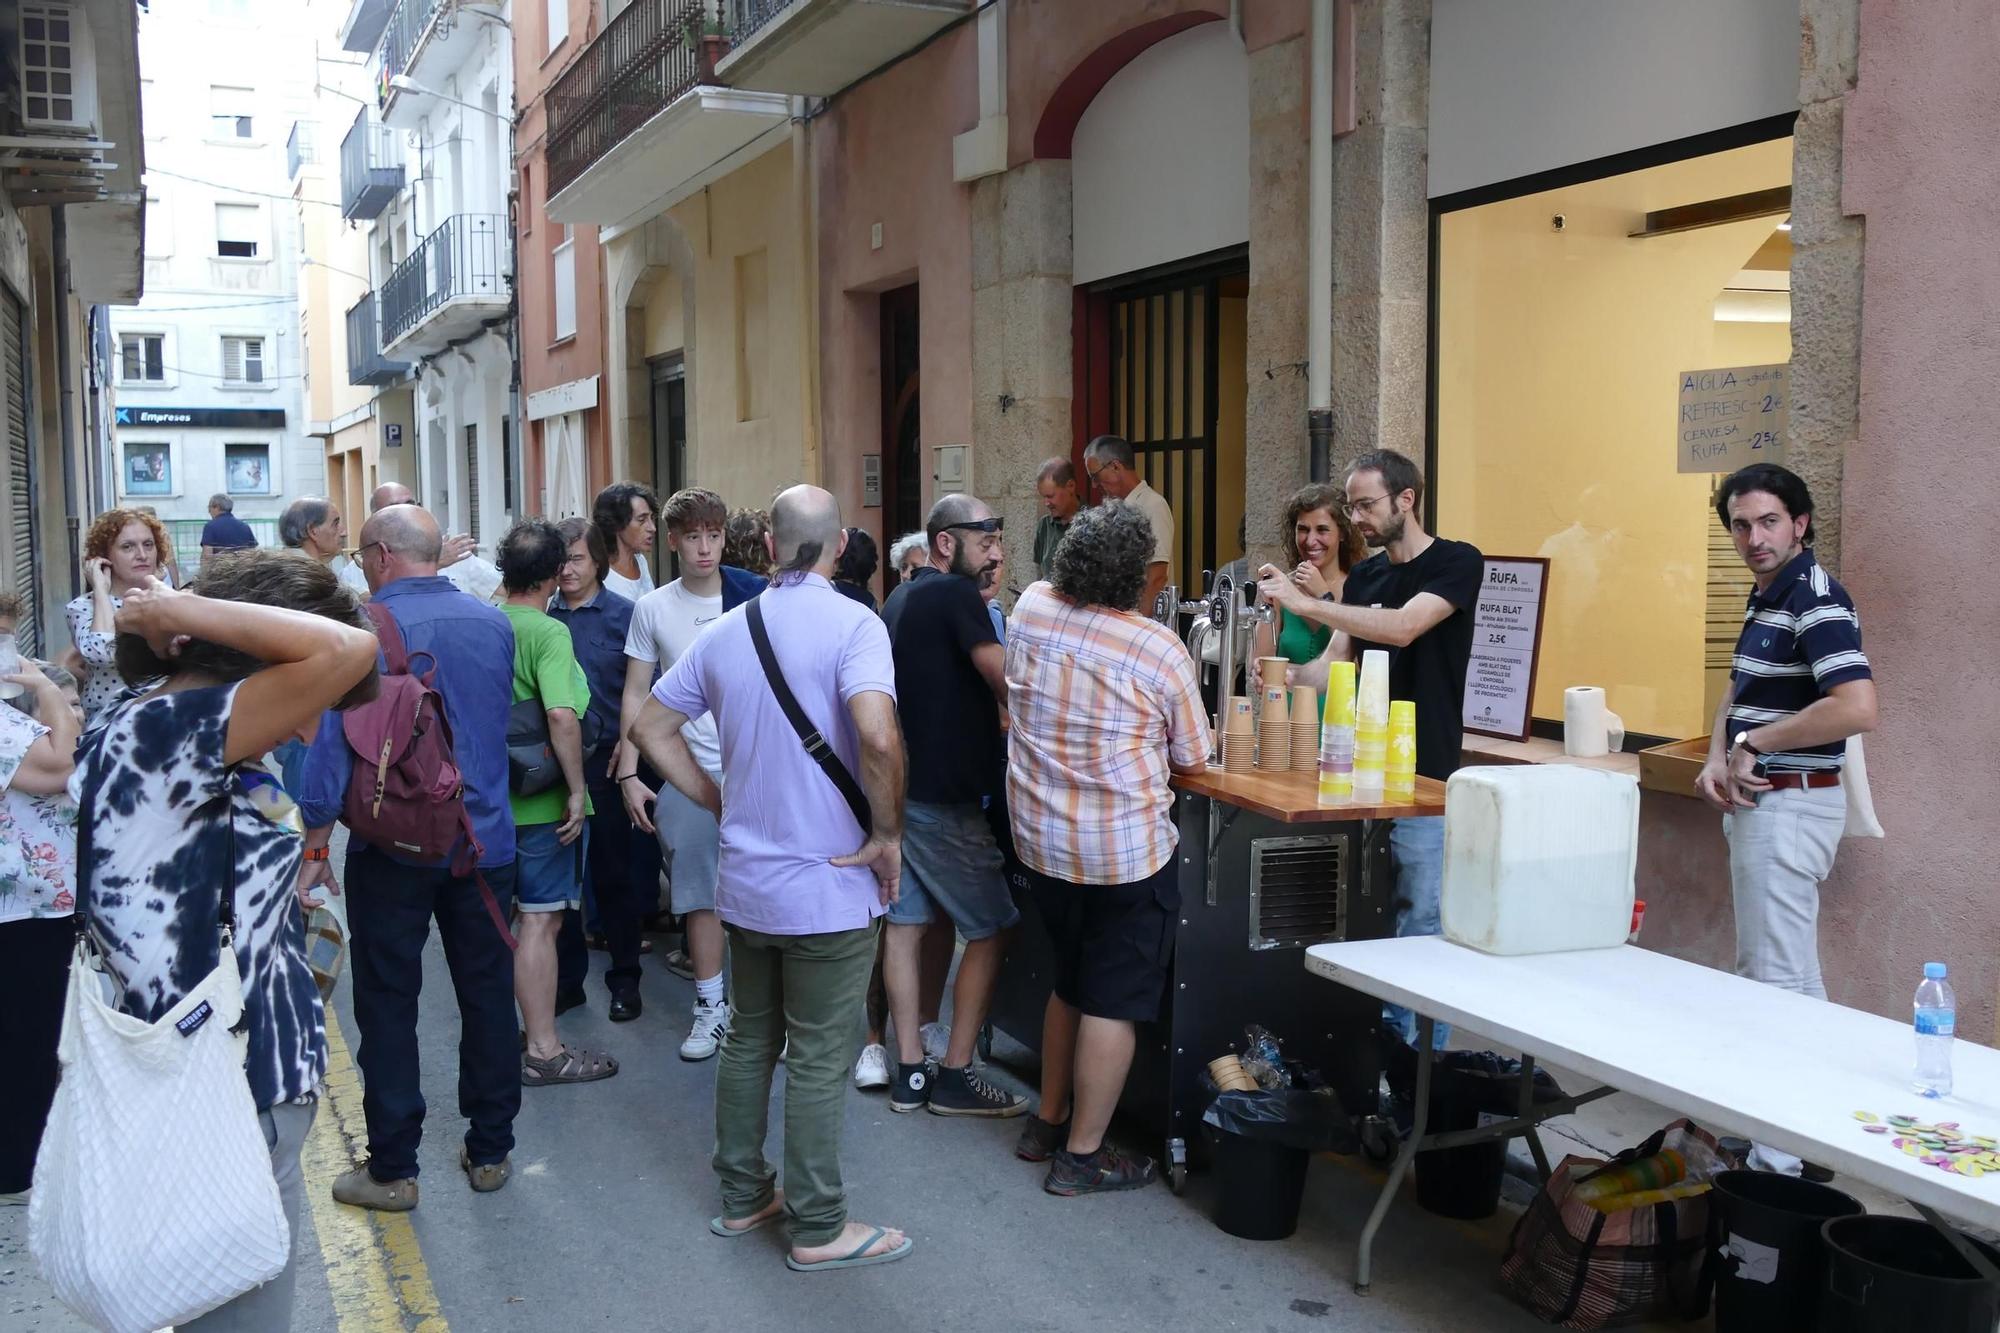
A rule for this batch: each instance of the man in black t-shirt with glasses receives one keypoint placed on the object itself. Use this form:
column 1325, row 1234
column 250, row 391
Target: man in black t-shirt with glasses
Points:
column 951, row 690
column 1415, row 599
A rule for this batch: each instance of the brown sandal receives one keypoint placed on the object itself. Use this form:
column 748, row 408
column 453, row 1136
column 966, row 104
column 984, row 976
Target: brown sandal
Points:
column 572, row 1066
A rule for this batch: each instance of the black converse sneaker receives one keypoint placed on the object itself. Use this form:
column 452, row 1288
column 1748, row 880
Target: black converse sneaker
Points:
column 964, row 1092
column 912, row 1088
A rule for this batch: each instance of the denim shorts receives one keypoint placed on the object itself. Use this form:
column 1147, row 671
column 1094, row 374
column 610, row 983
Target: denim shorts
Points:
column 690, row 841
column 952, row 864
column 548, row 876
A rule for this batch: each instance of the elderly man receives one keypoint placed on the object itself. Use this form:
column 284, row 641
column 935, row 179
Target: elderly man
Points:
column 313, row 524
column 1113, row 468
column 392, row 900
column 799, row 895
column 1105, row 709
column 1056, row 484
column 458, row 558
column 224, row 531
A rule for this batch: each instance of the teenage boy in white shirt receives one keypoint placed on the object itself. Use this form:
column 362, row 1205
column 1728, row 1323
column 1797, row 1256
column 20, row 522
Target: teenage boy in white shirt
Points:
column 665, row 624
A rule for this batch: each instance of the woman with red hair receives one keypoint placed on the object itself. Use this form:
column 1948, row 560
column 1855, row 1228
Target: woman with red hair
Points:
column 123, row 549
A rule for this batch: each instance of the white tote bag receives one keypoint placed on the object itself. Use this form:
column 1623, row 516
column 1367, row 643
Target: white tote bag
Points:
column 153, row 1199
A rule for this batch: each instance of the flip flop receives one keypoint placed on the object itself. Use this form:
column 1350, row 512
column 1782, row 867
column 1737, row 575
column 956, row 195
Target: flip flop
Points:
column 860, row 1258
column 715, row 1224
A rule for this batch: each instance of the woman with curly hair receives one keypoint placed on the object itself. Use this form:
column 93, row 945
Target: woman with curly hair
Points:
column 743, row 541
column 1321, row 545
column 123, row 550
column 1105, row 710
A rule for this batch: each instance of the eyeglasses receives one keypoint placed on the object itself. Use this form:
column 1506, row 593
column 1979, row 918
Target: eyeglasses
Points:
column 1356, row 508
column 982, row 525
column 355, row 554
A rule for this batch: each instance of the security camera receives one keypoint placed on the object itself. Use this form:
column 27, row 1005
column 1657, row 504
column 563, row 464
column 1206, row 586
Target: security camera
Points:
column 1558, row 222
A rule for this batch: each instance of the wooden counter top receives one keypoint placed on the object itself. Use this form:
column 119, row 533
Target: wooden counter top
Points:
column 1293, row 798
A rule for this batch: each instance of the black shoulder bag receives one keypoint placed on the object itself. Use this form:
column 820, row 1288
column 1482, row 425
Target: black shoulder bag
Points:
column 816, row 745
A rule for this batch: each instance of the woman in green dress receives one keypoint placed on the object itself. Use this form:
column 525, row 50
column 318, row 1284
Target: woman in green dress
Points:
column 1321, row 545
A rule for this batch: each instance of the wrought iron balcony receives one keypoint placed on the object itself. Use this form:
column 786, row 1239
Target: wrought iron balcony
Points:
column 650, row 55
column 400, row 39
column 456, row 280
column 365, row 362
column 371, row 168
column 302, row 148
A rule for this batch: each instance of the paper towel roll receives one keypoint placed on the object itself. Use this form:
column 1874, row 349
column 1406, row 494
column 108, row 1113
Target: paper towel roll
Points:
column 1589, row 728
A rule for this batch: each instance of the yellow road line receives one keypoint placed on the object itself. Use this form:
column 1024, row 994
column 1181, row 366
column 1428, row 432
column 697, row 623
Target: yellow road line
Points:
column 373, row 1262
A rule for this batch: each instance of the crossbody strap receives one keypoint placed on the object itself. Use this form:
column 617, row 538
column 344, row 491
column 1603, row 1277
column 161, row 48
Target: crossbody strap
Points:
column 816, row 744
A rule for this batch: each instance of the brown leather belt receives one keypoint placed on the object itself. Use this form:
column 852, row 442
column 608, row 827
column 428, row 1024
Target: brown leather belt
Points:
column 1802, row 781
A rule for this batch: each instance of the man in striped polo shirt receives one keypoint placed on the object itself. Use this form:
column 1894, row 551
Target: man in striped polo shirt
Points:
column 1799, row 687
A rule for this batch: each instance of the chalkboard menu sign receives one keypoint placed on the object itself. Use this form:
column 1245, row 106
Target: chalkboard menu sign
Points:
column 1506, row 647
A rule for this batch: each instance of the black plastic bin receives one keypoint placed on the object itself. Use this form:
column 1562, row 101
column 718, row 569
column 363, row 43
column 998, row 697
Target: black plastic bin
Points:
column 1259, row 1185
column 1462, row 1182
column 1773, row 1261
column 1900, row 1275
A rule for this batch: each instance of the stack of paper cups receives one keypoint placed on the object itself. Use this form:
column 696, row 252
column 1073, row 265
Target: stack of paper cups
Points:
column 1336, row 735
column 1399, row 782
column 1239, row 735
column 1371, row 727
column 1274, row 729
column 1305, row 728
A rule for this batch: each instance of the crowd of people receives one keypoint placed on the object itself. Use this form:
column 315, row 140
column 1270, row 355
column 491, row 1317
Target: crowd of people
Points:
column 536, row 753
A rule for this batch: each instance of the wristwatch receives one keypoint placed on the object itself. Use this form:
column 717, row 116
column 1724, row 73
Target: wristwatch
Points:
column 1742, row 740
column 1328, row 597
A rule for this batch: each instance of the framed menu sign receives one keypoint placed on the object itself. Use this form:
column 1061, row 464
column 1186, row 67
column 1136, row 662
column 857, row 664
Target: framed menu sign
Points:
column 1506, row 647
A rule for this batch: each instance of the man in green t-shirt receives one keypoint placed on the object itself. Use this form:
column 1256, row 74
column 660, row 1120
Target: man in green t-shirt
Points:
column 549, row 829
column 1056, row 484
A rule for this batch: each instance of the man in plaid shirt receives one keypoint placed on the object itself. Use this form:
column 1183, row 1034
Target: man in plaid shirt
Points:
column 1105, row 709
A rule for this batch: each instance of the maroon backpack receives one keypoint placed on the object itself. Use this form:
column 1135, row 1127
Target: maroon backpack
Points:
column 406, row 793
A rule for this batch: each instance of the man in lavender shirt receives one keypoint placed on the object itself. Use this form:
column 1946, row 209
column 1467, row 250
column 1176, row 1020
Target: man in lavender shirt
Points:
column 801, row 906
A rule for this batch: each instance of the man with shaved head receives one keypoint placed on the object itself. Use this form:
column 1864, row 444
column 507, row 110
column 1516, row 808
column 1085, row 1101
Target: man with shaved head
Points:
column 392, row 898
column 951, row 687
column 458, row 558
column 803, row 874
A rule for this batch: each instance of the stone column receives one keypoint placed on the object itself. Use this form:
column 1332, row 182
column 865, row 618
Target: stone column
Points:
column 1274, row 401
column 1826, row 269
column 1022, row 302
column 1381, row 238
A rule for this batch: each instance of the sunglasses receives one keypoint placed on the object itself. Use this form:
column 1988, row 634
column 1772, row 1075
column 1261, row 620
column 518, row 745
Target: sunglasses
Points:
column 980, row 525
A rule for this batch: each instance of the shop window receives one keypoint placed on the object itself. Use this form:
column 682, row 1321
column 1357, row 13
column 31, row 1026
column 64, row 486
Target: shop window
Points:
column 149, row 468
column 247, row 468
column 239, row 231
column 142, row 358
column 242, row 361
column 1564, row 327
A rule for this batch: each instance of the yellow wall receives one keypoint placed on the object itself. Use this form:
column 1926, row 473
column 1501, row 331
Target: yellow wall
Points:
column 746, row 405
column 664, row 333
column 326, row 292
column 1558, row 354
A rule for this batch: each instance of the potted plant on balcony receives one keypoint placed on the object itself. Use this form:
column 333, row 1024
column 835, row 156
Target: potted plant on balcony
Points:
column 713, row 40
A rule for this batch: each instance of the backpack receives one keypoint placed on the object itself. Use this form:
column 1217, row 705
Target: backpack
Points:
column 406, row 793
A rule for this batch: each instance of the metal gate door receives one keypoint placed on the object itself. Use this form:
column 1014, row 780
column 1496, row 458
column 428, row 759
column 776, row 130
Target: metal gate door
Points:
column 24, row 560
column 1164, row 366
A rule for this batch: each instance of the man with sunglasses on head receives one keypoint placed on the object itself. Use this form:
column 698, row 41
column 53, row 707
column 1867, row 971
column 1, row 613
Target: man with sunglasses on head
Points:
column 951, row 696
column 1415, row 599
column 1113, row 470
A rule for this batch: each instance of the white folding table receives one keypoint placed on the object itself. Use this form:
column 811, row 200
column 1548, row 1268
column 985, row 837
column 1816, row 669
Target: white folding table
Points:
column 1736, row 1056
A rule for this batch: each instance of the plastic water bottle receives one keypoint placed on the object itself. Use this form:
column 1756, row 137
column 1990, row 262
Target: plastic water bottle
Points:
column 1936, row 1017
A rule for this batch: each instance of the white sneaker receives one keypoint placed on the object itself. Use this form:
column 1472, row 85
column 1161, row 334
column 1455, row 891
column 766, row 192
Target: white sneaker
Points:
column 872, row 1069
column 710, row 1029
column 937, row 1040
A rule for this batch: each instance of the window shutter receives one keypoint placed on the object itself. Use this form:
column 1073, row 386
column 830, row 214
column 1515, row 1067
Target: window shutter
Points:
column 232, row 359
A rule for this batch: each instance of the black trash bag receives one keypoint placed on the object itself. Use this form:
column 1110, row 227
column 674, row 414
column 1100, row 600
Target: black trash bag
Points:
column 1486, row 1079
column 1291, row 1118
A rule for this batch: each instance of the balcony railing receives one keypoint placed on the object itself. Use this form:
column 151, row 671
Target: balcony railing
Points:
column 400, row 38
column 365, row 362
column 747, row 16
column 649, row 55
column 371, row 168
column 467, row 257
column 302, row 148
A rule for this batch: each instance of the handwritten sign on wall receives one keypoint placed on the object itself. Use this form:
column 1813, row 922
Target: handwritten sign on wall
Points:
column 1506, row 643
column 1731, row 418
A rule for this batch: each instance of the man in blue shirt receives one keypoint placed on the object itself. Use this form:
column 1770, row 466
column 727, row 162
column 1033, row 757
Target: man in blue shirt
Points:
column 224, row 531
column 391, row 900
column 619, row 861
